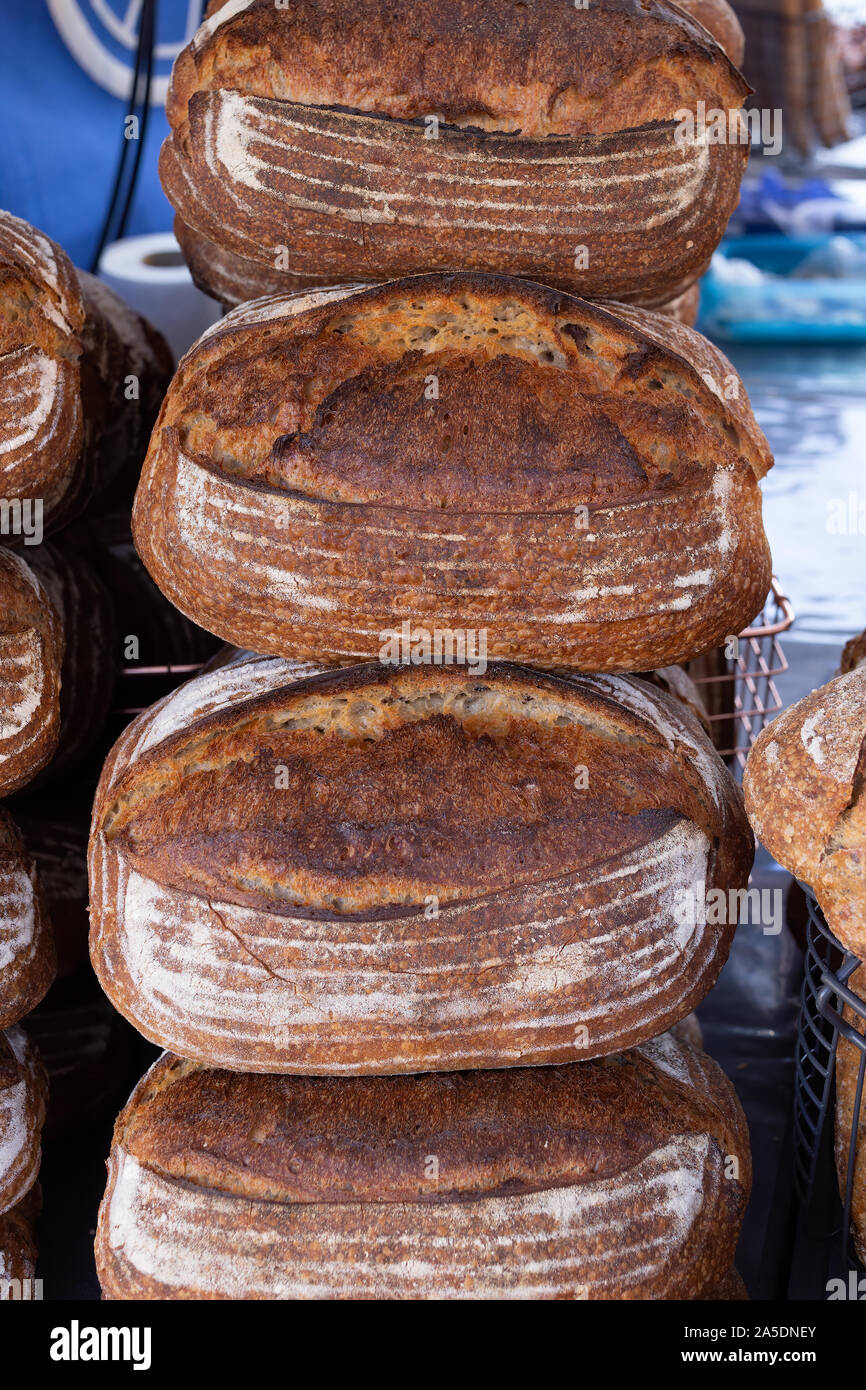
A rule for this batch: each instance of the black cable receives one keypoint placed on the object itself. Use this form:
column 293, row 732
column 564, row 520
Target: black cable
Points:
column 144, row 55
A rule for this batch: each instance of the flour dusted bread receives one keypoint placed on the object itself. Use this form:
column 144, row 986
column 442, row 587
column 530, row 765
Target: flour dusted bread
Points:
column 18, row 1239
column 23, row 1095
column 382, row 870
column 27, row 959
column 804, row 786
column 457, row 452
column 68, row 347
column 31, row 654
column 302, row 149
column 601, row 1180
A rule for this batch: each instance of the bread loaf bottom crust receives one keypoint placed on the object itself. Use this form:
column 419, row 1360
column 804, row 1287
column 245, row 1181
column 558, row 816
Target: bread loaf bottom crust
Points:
column 602, row 1180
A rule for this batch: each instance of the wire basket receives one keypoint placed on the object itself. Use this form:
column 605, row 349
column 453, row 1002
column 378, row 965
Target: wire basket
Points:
column 740, row 692
column 826, row 994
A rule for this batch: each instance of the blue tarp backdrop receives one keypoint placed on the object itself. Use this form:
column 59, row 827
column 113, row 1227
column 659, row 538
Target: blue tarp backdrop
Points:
column 60, row 129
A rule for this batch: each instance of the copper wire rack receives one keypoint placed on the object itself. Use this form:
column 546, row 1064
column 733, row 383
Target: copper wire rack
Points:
column 740, row 692
column 826, row 999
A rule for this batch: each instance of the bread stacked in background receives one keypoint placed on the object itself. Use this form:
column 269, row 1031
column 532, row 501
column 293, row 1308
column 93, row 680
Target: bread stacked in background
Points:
column 421, row 935
column 81, row 379
column 804, row 785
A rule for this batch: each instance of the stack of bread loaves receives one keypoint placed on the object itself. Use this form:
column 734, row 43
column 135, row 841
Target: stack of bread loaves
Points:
column 413, row 890
column 81, row 377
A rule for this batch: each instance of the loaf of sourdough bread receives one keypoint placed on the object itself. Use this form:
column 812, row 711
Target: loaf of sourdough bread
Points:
column 579, row 484
column 623, row 1178
column 31, row 655
column 381, row 870
column 322, row 142
column 69, row 417
column 27, row 956
column 804, row 785
column 23, row 1095
column 18, row 1238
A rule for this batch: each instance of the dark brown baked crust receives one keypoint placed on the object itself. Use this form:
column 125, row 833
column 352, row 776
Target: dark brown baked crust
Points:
column 23, row 1098
column 31, row 655
column 721, row 21
column 90, row 655
column 303, row 496
column 68, row 346
column 351, row 1159
column 848, row 1058
column 384, row 870
column 804, row 785
column 18, row 1250
column 304, row 131
column 26, row 940
column 853, row 653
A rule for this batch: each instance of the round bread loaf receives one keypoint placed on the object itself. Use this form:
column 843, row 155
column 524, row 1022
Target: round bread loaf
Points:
column 27, row 959
column 23, row 1096
column 18, row 1239
column 379, row 870
column 31, row 655
column 620, row 1178
column 68, row 348
column 853, row 653
column 804, row 786
column 323, row 142
column 577, row 486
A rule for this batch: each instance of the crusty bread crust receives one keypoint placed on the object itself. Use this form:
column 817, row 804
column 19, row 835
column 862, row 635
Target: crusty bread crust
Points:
column 31, row 656
column 23, row 1097
column 303, row 496
column 27, row 957
column 600, row 1180
column 853, row 653
column 421, row 887
column 67, row 347
column 18, row 1239
column 721, row 21
column 804, row 787
column 305, row 130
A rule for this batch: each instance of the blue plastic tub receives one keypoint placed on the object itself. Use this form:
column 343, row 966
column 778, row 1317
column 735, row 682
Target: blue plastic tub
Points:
column 786, row 309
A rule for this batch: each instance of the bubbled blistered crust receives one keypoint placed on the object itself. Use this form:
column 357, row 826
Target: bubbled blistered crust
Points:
column 23, row 1098
column 31, row 655
column 265, row 1187
column 305, row 130
column 379, row 870
column 805, row 787
column 27, row 957
column 303, row 493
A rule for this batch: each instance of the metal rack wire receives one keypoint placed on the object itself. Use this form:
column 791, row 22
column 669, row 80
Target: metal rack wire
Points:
column 746, row 685
column 825, row 996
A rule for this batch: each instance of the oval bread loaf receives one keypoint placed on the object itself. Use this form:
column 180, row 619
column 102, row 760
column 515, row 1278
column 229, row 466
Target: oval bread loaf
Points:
column 382, row 870
column 23, row 1096
column 578, row 485
column 326, row 142
column 601, row 1180
column 68, row 346
column 804, row 785
column 27, row 957
column 31, row 657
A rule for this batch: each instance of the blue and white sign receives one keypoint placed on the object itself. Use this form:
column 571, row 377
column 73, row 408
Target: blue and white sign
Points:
column 102, row 36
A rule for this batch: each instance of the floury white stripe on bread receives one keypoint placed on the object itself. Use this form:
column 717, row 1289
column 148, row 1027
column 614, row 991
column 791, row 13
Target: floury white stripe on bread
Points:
column 562, row 1241
column 242, row 980
column 21, row 1115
